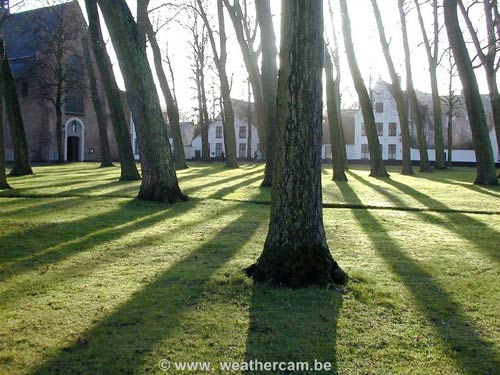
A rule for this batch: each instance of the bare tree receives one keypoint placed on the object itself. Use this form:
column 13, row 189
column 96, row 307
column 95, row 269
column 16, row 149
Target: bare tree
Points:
column 397, row 94
column 159, row 180
column 199, row 66
column 377, row 167
column 117, row 112
column 296, row 253
column 333, row 46
column 432, row 51
column 269, row 85
column 412, row 96
column 145, row 25
column 451, row 103
column 246, row 34
column 98, row 107
column 333, row 120
column 22, row 165
column 59, row 73
column 220, row 58
column 486, row 174
column 3, row 178
column 488, row 53
column 8, row 93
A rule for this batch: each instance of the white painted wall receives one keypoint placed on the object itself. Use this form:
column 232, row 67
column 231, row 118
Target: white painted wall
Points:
column 213, row 140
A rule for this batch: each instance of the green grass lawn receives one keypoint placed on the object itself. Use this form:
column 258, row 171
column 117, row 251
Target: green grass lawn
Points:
column 94, row 281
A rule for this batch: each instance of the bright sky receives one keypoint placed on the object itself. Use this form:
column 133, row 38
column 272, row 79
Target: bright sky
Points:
column 366, row 43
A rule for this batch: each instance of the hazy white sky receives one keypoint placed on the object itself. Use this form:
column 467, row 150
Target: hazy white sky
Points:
column 366, row 43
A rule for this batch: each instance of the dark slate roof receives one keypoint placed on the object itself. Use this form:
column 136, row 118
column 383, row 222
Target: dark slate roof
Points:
column 24, row 33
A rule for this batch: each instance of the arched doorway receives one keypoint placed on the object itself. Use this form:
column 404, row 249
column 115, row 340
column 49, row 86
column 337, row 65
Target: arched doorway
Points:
column 74, row 140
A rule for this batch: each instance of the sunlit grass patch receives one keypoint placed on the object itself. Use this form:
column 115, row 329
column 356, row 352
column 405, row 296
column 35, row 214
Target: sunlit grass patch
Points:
column 94, row 281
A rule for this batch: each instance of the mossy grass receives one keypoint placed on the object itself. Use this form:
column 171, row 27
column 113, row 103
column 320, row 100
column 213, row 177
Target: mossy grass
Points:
column 95, row 281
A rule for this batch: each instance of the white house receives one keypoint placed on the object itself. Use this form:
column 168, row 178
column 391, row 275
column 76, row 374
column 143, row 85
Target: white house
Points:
column 389, row 130
column 187, row 132
column 247, row 138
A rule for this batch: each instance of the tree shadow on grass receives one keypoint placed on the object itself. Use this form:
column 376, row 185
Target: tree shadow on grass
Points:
column 492, row 191
column 292, row 326
column 126, row 340
column 43, row 245
column 461, row 337
column 221, row 193
column 463, row 225
column 223, row 182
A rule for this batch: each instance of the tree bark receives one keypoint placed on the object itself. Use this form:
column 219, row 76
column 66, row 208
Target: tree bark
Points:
column 205, row 144
column 98, row 108
column 118, row 120
column 250, row 59
column 159, row 181
column 59, row 126
column 412, row 96
column 488, row 59
column 220, row 63
column 432, row 57
column 172, row 109
column 22, row 165
column 377, row 167
column 333, row 121
column 3, row 177
column 269, row 77
column 295, row 251
column 450, row 133
column 486, row 174
column 397, row 94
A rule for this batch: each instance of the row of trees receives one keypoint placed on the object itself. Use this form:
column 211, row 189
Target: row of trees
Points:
column 263, row 82
column 295, row 252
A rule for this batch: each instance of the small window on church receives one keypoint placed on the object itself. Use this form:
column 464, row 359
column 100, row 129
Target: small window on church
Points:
column 25, row 89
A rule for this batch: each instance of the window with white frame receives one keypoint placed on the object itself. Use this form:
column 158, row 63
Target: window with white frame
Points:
column 392, row 152
column 365, row 152
column 393, row 129
column 218, row 132
column 242, row 150
column 243, row 132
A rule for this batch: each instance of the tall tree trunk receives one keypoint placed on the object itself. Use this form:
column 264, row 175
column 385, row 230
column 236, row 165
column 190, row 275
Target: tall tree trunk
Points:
column 397, row 94
column 220, row 63
column 295, row 251
column 450, row 130
column 250, row 59
column 432, row 57
column 486, row 174
column 205, row 144
column 172, row 110
column 336, row 87
column 3, row 177
column 22, row 164
column 59, row 124
column 495, row 105
column 269, row 77
column 333, row 121
column 98, row 108
column 159, row 181
column 203, row 123
column 488, row 59
column 377, row 167
column 118, row 120
column 249, row 126
column 412, row 96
